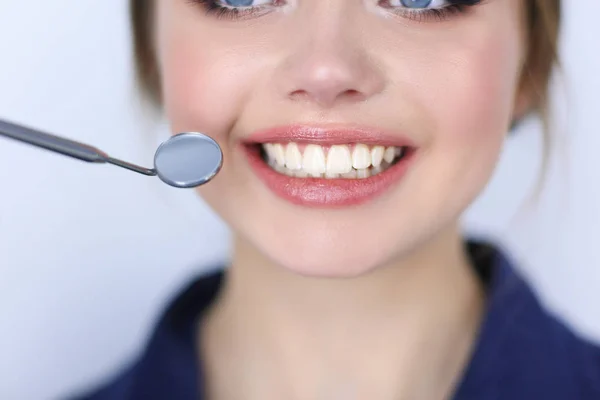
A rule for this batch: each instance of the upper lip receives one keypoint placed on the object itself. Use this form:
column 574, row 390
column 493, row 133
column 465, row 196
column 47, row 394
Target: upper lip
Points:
column 329, row 134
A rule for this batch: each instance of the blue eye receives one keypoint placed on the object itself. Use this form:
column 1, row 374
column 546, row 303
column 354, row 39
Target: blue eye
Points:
column 238, row 3
column 416, row 3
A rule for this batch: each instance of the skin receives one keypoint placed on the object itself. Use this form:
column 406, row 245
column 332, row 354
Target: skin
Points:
column 375, row 301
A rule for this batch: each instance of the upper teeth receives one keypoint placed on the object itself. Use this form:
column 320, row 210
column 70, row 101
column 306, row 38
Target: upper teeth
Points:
column 332, row 161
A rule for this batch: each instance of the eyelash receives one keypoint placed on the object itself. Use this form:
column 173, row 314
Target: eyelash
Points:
column 455, row 7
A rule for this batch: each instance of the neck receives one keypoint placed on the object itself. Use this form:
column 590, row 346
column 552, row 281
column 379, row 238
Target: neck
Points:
column 388, row 334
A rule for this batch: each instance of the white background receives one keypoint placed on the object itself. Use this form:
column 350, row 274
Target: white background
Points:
column 89, row 253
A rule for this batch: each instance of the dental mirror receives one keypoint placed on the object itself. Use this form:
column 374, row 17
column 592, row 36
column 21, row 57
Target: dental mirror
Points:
column 185, row 160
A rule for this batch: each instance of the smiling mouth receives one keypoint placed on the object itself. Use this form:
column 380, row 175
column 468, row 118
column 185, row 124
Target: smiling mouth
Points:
column 328, row 166
column 354, row 161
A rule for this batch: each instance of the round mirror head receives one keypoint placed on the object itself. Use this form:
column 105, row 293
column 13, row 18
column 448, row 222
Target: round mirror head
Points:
column 188, row 160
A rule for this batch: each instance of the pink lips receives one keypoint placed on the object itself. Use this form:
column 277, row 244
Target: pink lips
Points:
column 328, row 135
column 320, row 192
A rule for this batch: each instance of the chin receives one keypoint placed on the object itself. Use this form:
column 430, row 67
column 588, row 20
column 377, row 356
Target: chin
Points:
column 331, row 254
column 326, row 265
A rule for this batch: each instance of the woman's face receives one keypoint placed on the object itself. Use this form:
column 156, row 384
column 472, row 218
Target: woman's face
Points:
column 354, row 132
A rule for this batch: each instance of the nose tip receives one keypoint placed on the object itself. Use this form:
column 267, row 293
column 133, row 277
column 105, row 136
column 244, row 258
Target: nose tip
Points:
column 328, row 87
column 328, row 78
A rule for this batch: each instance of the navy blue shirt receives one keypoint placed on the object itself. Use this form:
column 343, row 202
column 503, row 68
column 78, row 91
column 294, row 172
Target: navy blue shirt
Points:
column 522, row 352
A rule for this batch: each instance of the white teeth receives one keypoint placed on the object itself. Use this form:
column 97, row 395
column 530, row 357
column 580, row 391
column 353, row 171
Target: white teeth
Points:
column 377, row 155
column 339, row 160
column 363, row 173
column 351, row 175
column 279, row 154
column 361, row 157
column 279, row 168
column 276, row 153
column 293, row 157
column 283, row 170
column 389, row 154
column 313, row 161
column 269, row 150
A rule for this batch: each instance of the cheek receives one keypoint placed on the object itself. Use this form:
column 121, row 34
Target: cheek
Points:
column 199, row 85
column 465, row 88
column 200, row 90
column 205, row 72
column 199, row 93
column 480, row 92
column 471, row 92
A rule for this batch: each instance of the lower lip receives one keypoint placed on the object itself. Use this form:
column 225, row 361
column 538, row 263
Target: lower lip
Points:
column 326, row 193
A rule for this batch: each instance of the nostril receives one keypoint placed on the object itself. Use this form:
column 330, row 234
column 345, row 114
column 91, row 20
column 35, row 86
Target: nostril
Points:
column 353, row 94
column 327, row 98
column 297, row 93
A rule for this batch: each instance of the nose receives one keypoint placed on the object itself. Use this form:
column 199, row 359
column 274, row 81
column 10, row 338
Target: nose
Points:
column 326, row 66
